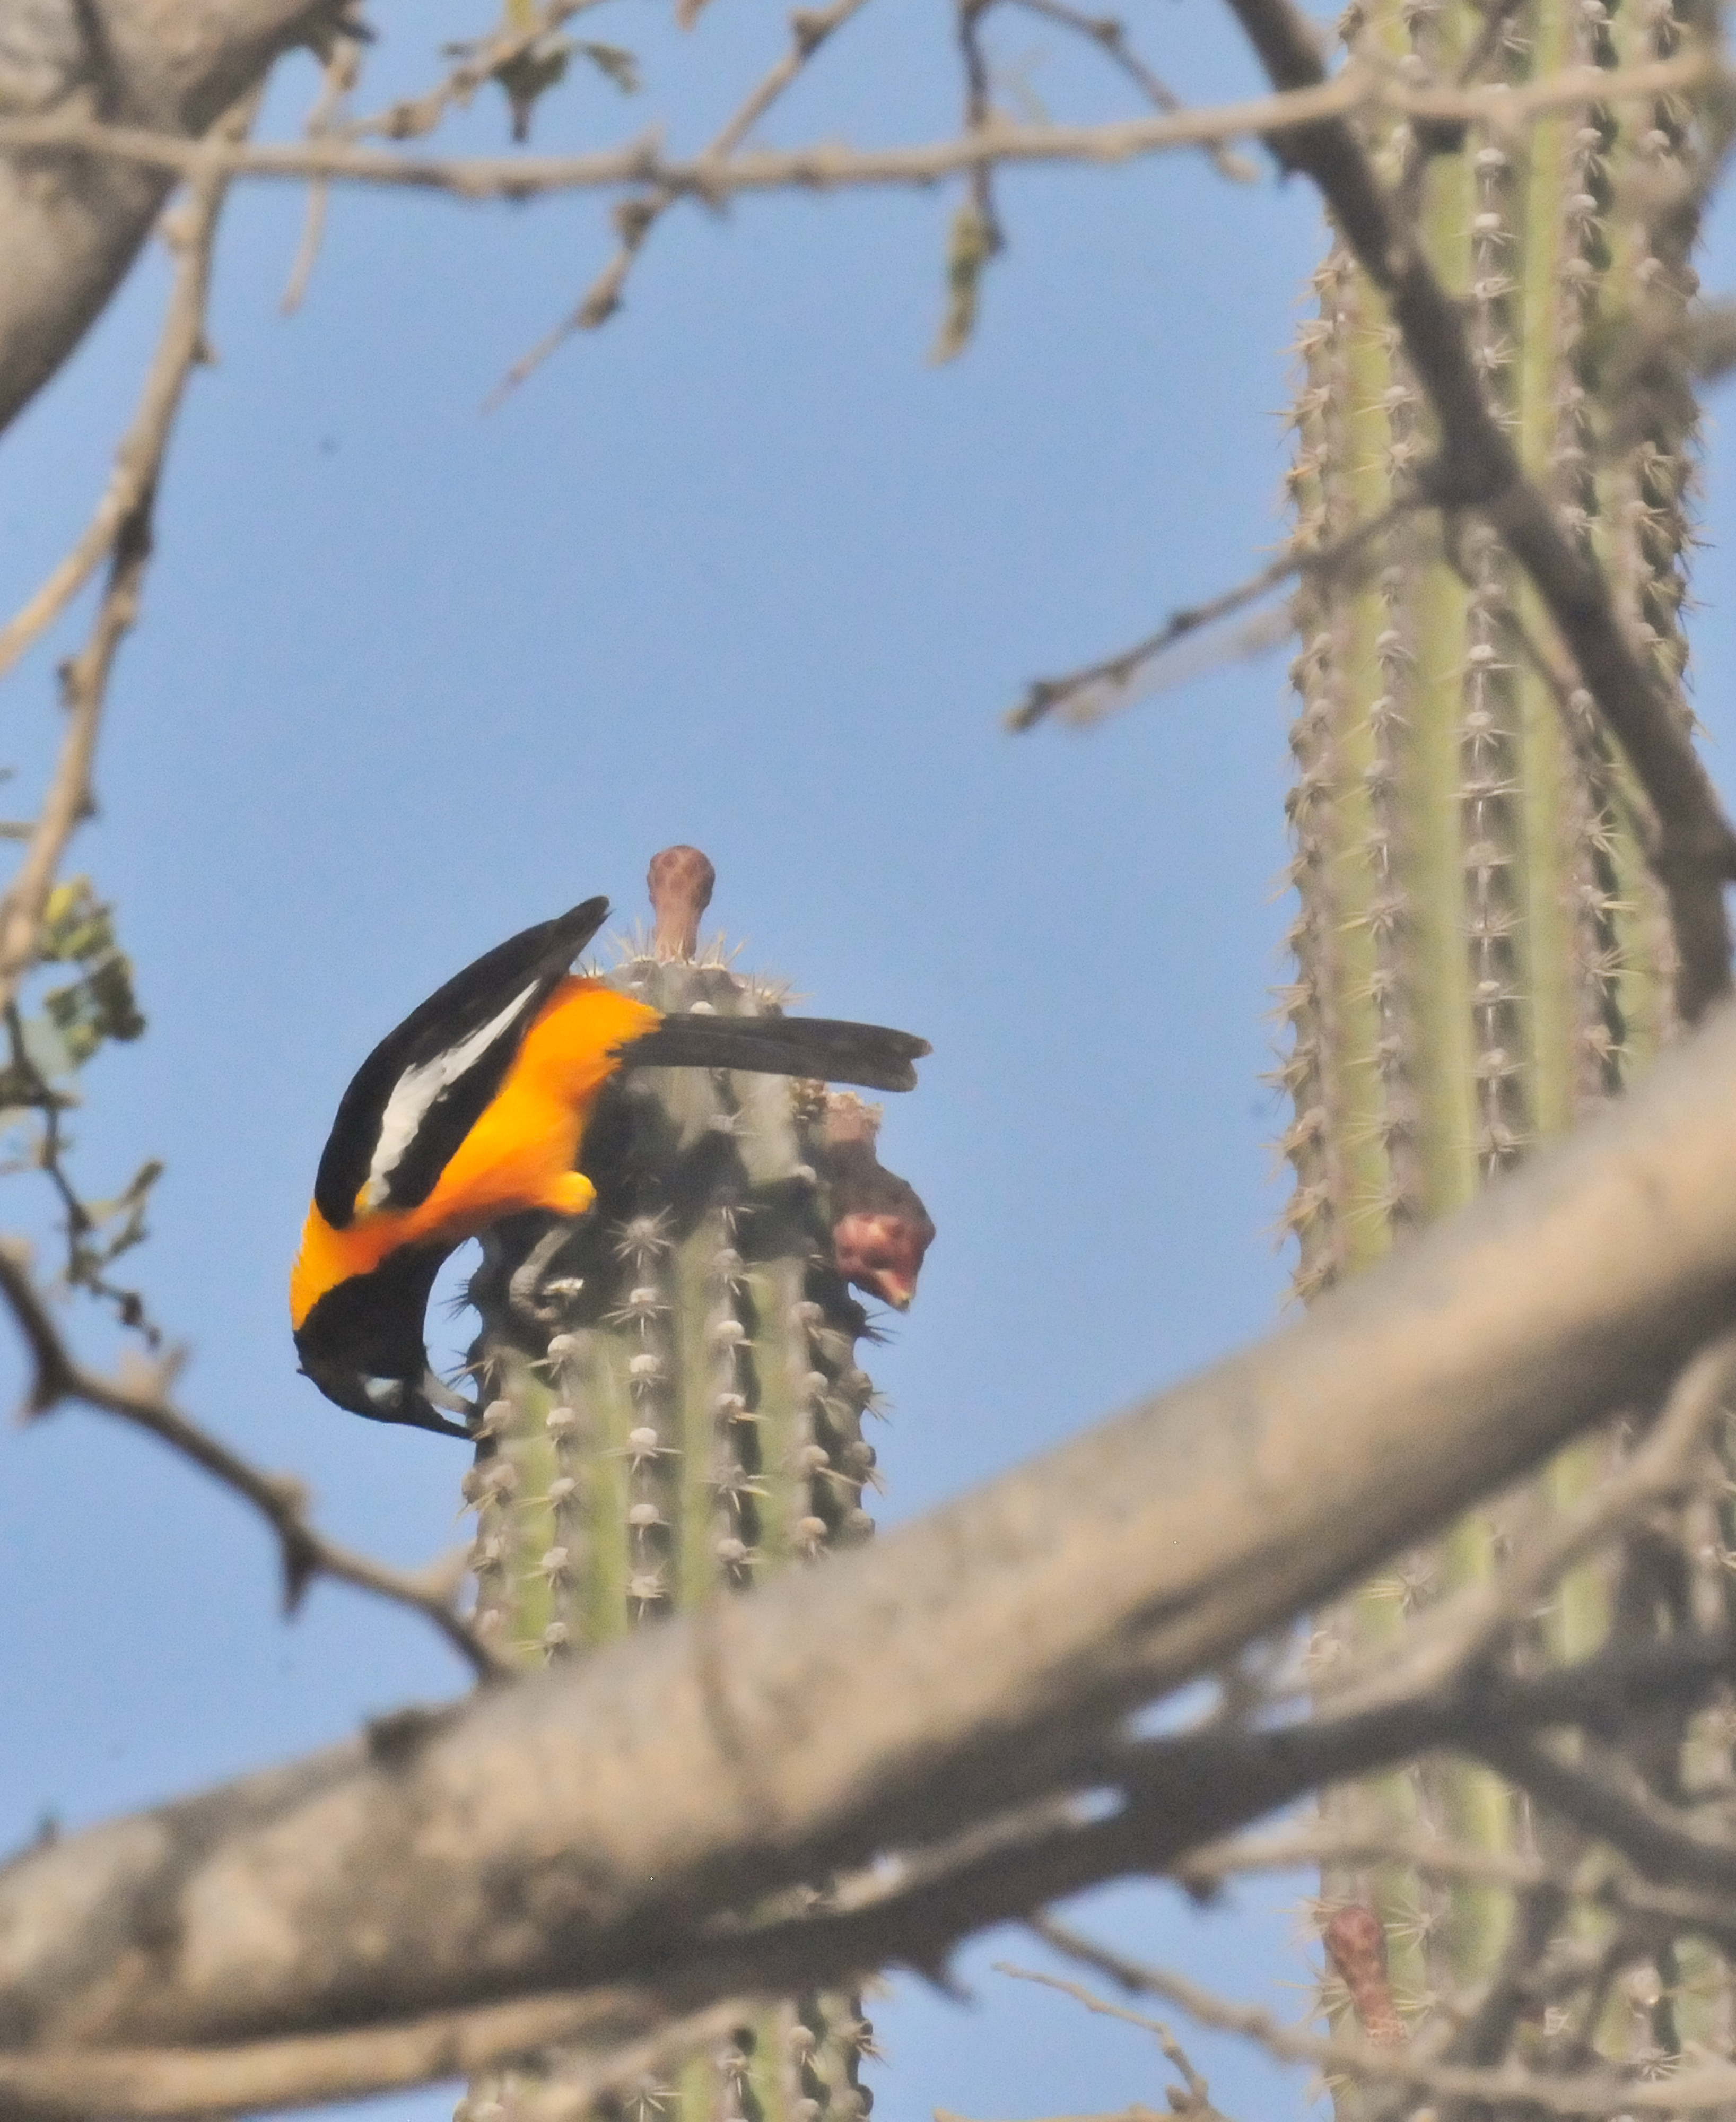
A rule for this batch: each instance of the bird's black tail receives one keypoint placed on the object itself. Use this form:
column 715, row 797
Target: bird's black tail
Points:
column 823, row 1047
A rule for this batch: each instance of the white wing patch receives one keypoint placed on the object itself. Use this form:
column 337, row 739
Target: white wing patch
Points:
column 417, row 1088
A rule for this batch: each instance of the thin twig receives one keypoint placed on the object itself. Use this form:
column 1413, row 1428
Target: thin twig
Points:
column 635, row 218
column 979, row 115
column 1314, row 1848
column 85, row 1262
column 84, row 681
column 342, row 71
column 1653, row 1836
column 412, row 117
column 279, row 1499
column 1470, row 1628
column 1114, row 679
column 1508, row 2085
column 1110, row 34
column 1354, row 90
column 121, row 529
column 191, row 232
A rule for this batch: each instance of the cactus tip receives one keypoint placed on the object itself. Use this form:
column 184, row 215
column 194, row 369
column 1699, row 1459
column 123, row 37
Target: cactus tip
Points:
column 851, row 1118
column 681, row 881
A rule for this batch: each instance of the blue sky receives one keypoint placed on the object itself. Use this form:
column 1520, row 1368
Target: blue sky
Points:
column 745, row 570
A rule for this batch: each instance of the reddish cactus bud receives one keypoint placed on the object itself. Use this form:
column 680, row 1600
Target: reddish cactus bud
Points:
column 880, row 1229
column 1354, row 1939
column 680, row 881
column 883, row 1254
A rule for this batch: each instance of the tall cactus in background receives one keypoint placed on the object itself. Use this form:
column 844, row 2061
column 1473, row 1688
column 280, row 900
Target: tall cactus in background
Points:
column 1481, row 956
column 675, row 1406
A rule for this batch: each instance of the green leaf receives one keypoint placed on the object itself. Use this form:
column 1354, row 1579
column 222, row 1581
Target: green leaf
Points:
column 970, row 245
column 529, row 76
column 78, row 1018
column 620, row 65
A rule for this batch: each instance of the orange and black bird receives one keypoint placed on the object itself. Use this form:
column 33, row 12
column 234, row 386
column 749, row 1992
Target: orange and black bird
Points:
column 475, row 1108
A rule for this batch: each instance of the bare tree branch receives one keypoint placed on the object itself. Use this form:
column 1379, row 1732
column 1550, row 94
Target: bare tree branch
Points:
column 1467, row 1629
column 143, row 1400
column 1354, row 89
column 689, row 1963
column 192, row 234
column 608, row 2040
column 1098, row 689
column 1110, row 34
column 1616, row 1808
column 84, row 683
column 1689, row 2089
column 635, row 218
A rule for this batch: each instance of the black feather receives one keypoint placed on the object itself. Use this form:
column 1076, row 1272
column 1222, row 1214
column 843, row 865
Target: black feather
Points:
column 825, row 1047
column 537, row 959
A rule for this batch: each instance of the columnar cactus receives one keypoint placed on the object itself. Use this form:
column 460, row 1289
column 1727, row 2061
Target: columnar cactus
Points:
column 674, row 1405
column 1481, row 955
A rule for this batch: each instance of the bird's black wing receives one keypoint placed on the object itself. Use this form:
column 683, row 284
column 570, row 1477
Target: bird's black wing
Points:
column 824, row 1047
column 425, row 1086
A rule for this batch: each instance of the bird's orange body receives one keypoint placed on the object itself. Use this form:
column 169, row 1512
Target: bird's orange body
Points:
column 519, row 1155
column 474, row 1108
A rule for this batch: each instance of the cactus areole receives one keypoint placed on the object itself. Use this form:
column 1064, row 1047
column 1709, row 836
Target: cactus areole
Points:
column 1481, row 954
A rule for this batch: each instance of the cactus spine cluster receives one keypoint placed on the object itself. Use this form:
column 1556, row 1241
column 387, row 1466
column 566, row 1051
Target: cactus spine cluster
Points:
column 675, row 1408
column 1480, row 957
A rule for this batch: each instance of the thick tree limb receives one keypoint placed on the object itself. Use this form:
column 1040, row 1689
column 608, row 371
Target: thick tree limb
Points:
column 1176, row 1790
column 1478, row 467
column 564, row 1830
column 70, row 227
column 624, row 2034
